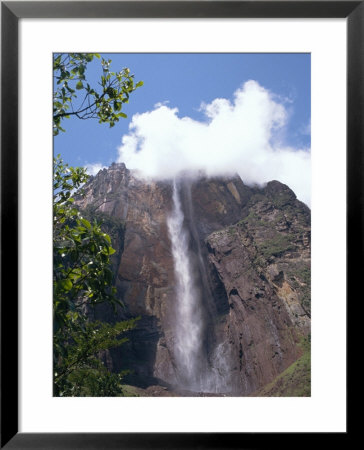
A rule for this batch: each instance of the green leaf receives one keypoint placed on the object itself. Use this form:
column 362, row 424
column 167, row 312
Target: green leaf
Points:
column 117, row 106
column 86, row 223
column 79, row 85
column 66, row 284
column 57, row 61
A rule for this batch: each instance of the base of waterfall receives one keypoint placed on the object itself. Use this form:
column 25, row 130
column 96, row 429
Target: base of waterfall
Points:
column 163, row 391
column 295, row 381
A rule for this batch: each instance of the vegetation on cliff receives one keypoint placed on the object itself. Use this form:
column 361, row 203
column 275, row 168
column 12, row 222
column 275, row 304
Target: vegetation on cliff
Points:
column 295, row 381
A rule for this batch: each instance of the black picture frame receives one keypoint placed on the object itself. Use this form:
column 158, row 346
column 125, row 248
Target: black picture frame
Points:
column 11, row 12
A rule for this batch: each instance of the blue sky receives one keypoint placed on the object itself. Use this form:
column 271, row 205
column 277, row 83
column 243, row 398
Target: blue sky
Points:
column 185, row 81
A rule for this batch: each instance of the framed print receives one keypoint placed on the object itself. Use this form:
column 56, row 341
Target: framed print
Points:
column 201, row 199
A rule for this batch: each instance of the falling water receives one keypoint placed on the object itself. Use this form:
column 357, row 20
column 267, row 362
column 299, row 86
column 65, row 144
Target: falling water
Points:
column 195, row 372
column 188, row 328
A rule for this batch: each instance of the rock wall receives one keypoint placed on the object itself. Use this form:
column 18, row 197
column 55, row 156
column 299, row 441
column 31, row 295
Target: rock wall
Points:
column 252, row 261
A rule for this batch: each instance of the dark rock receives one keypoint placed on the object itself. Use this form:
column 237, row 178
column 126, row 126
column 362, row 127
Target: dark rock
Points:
column 252, row 266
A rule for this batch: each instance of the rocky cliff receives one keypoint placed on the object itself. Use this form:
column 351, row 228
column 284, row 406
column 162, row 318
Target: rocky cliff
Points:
column 249, row 249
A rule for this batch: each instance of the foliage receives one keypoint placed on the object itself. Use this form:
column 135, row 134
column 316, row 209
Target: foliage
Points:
column 71, row 84
column 276, row 245
column 253, row 220
column 81, row 253
column 114, row 227
column 81, row 279
column 79, row 371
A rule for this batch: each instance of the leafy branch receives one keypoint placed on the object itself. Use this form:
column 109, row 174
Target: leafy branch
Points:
column 82, row 277
column 104, row 104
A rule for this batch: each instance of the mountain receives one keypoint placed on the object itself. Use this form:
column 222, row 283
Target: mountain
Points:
column 219, row 273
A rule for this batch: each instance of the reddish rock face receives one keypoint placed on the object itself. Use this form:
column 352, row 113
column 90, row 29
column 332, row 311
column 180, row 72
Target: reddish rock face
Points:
column 250, row 251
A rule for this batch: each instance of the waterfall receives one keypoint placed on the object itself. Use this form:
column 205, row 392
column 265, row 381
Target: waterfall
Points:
column 188, row 333
column 194, row 369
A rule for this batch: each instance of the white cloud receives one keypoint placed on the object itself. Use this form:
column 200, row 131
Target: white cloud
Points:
column 238, row 136
column 93, row 169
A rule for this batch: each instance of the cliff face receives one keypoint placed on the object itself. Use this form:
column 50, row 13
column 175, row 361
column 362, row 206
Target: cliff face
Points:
column 249, row 250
